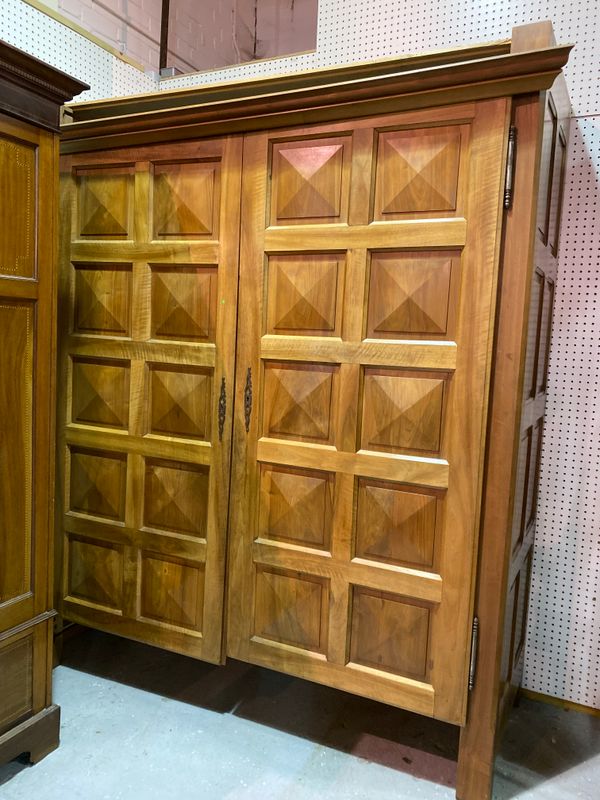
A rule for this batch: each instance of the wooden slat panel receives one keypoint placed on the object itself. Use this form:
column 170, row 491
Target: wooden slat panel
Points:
column 413, row 233
column 421, row 355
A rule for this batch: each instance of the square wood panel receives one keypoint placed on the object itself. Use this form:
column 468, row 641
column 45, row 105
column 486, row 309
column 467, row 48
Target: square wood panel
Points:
column 402, row 410
column 412, row 294
column 186, row 199
column 105, row 202
column 172, row 591
column 389, row 633
column 16, row 681
column 100, row 392
column 305, row 294
column 95, row 572
column 291, row 608
column 184, row 302
column 102, row 302
column 395, row 523
column 298, row 401
column 296, row 505
column 176, row 497
column 180, row 401
column 310, row 181
column 418, row 171
column 97, row 483
column 18, row 192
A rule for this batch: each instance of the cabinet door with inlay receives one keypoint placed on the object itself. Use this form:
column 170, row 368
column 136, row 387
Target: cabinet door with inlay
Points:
column 369, row 252
column 149, row 303
column 27, row 288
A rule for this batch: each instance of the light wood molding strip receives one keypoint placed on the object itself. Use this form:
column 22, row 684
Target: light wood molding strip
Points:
column 287, row 100
column 430, row 472
column 414, row 354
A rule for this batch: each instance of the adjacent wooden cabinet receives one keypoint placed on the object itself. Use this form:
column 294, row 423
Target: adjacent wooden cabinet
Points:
column 30, row 97
column 302, row 389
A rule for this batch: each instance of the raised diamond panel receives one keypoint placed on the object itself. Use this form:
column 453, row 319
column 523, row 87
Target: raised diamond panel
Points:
column 298, row 400
column 309, row 181
column 412, row 293
column 402, row 410
column 95, row 572
column 296, row 505
column 291, row 608
column 389, row 633
column 395, row 523
column 102, row 299
column 100, row 392
column 184, row 302
column 304, row 294
column 186, row 199
column 105, row 202
column 97, row 485
column 176, row 497
column 418, row 171
column 180, row 401
column 172, row 591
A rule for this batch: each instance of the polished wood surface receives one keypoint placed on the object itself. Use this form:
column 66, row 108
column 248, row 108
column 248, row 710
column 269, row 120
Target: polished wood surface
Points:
column 149, row 300
column 354, row 510
column 380, row 380
column 30, row 95
column 517, row 407
column 314, row 96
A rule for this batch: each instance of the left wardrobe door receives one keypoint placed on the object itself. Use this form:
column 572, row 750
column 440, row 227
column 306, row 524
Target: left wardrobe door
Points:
column 149, row 301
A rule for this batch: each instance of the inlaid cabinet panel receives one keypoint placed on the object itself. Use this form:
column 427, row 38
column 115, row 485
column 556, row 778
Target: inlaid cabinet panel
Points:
column 371, row 249
column 17, row 332
column 149, row 293
column 19, row 187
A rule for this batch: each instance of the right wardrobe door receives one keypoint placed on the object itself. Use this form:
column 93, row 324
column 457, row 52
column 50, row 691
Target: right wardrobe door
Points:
column 369, row 258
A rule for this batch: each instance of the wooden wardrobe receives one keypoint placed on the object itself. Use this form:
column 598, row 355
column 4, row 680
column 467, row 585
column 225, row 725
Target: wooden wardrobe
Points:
column 30, row 97
column 305, row 329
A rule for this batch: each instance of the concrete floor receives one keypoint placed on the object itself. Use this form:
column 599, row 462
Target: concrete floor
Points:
column 138, row 722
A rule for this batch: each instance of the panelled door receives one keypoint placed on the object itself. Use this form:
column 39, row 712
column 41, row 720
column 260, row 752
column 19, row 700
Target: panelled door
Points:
column 27, row 287
column 149, row 298
column 369, row 257
column 537, row 353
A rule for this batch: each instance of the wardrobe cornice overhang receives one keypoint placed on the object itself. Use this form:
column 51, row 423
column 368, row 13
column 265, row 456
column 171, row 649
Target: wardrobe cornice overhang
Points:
column 323, row 95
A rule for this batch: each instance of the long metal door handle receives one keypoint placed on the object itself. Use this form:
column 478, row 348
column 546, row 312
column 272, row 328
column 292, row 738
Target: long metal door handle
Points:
column 248, row 398
column 222, row 408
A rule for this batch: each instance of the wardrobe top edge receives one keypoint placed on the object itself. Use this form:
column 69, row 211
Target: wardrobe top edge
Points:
column 21, row 68
column 463, row 74
column 172, row 98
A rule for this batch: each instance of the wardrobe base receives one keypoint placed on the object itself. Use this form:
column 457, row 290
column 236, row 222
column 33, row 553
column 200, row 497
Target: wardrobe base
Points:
column 37, row 736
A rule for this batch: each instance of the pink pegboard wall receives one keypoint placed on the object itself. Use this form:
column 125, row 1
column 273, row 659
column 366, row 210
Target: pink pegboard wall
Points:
column 562, row 658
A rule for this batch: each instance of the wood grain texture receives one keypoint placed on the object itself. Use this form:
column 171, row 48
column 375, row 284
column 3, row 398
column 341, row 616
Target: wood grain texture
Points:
column 28, row 182
column 369, row 368
column 149, row 288
column 518, row 398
